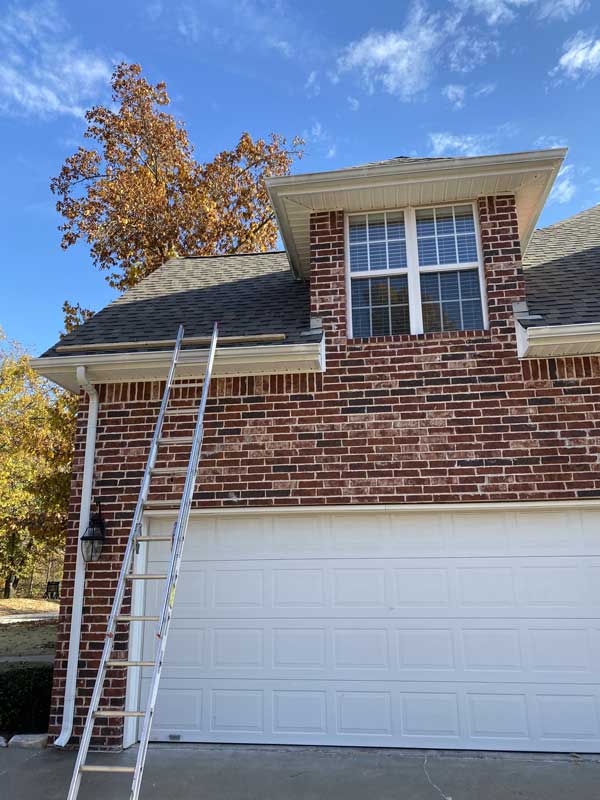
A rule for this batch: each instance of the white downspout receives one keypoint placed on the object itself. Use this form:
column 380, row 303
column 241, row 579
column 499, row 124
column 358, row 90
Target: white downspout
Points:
column 78, row 587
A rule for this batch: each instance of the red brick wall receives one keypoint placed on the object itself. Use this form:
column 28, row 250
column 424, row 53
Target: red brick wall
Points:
column 411, row 419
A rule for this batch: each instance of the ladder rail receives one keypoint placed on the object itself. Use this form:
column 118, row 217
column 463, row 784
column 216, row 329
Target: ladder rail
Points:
column 179, row 533
column 86, row 736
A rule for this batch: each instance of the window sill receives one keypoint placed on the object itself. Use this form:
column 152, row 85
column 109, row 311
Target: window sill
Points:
column 441, row 336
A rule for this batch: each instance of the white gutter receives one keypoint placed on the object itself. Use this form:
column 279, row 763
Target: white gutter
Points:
column 79, row 584
column 265, row 359
column 547, row 341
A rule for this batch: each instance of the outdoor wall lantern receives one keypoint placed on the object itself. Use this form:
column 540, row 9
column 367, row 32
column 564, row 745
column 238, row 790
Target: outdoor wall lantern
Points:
column 92, row 540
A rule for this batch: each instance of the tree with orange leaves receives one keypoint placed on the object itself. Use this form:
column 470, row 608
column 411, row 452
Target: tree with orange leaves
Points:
column 139, row 197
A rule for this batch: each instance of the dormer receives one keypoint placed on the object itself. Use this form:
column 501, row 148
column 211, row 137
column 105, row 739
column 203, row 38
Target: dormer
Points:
column 412, row 250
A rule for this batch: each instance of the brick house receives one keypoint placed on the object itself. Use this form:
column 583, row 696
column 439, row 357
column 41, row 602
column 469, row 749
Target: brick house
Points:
column 395, row 535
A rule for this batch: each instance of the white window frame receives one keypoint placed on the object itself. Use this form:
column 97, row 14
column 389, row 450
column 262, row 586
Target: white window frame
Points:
column 413, row 270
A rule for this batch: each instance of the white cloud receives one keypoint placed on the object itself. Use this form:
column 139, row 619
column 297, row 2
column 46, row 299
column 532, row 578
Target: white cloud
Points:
column 494, row 11
column 455, row 94
column 400, row 62
column 497, row 12
column 468, row 48
column 581, row 57
column 548, row 140
column 247, row 24
column 560, row 9
column 485, row 90
column 564, row 187
column 43, row 69
column 471, row 144
column 353, row 103
column 331, row 152
column 312, row 85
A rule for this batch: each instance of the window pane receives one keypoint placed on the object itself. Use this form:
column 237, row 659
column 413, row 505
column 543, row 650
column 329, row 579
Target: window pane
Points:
column 467, row 249
column 376, row 227
column 377, row 255
column 463, row 216
column 449, row 285
column 381, row 321
column 361, row 322
column 399, row 290
column 374, row 300
column 358, row 257
column 427, row 252
column 358, row 229
column 447, row 250
column 472, row 315
column 397, row 255
column 431, row 317
column 451, row 301
column 430, row 286
column 425, row 224
column 400, row 320
column 444, row 222
column 395, row 225
column 360, row 293
column 469, row 284
column 452, row 229
column 451, row 316
column 379, row 292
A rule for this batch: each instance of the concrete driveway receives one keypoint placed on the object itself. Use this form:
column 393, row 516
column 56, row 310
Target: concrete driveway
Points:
column 234, row 772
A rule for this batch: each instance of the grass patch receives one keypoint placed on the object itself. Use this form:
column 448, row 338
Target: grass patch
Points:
column 26, row 605
column 28, row 639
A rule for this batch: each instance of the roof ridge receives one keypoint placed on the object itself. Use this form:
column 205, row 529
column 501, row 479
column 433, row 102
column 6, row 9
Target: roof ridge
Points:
column 228, row 255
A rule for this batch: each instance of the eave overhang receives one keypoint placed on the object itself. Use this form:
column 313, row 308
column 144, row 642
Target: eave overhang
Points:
column 551, row 341
column 281, row 359
column 528, row 175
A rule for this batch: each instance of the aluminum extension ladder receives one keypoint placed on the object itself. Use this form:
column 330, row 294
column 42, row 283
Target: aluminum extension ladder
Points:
column 170, row 582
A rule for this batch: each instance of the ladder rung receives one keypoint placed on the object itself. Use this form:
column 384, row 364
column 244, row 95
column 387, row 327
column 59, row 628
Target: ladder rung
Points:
column 162, row 504
column 176, row 440
column 109, row 712
column 164, row 538
column 169, row 471
column 120, row 663
column 140, row 576
column 131, row 618
column 107, row 768
column 181, row 412
column 186, row 385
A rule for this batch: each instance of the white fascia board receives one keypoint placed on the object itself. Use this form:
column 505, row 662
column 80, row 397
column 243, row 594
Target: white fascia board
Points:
column 428, row 170
column 148, row 366
column 548, row 341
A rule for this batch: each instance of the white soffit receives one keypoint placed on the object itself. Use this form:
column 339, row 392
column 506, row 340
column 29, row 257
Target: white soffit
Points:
column 153, row 366
column 529, row 176
column 550, row 341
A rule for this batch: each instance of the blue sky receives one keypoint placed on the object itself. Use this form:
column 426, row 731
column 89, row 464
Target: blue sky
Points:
column 360, row 81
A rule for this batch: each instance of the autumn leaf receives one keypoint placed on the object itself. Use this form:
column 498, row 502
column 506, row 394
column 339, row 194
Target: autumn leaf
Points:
column 138, row 196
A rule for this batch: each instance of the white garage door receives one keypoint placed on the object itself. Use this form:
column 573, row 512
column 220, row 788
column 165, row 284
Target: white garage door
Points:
column 455, row 630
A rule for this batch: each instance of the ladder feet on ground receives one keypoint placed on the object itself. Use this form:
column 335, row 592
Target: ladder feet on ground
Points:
column 169, row 578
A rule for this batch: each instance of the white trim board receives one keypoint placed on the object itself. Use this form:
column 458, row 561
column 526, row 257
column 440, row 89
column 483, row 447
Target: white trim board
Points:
column 523, row 505
column 274, row 359
column 548, row 341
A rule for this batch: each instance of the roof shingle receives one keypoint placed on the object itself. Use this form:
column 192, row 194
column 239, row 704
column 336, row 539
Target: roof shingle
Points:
column 562, row 270
column 247, row 294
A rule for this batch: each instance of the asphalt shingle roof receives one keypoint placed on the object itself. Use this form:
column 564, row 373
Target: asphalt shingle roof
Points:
column 247, row 294
column 562, row 271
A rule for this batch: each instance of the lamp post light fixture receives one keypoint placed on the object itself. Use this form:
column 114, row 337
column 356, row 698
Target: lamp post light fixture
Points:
column 92, row 540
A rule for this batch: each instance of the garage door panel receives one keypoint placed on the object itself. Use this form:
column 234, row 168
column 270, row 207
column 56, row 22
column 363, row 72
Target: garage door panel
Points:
column 553, row 587
column 398, row 630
